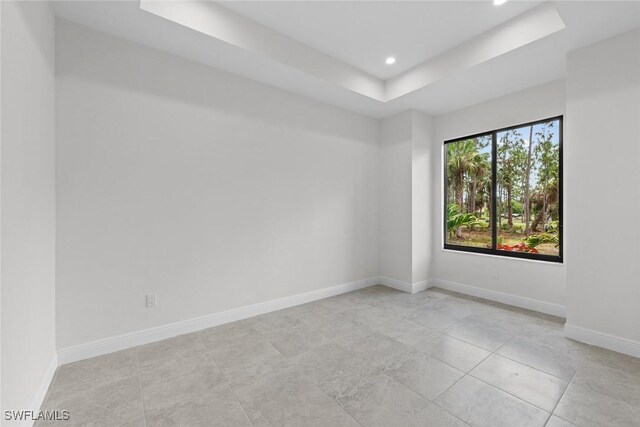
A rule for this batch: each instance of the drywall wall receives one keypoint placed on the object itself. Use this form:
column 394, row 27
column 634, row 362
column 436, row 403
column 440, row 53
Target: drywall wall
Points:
column 603, row 170
column 531, row 281
column 394, row 203
column 422, row 150
column 403, row 203
column 27, row 187
column 209, row 190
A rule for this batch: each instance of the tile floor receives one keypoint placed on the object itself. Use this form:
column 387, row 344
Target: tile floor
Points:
column 374, row 357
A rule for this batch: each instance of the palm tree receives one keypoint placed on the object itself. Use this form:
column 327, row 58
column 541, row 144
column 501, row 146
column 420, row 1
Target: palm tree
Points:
column 485, row 194
column 541, row 200
column 478, row 171
column 460, row 157
column 511, row 159
column 547, row 158
column 527, row 190
column 465, row 161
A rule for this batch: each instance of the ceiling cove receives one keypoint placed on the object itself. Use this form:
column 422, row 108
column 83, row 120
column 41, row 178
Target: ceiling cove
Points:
column 449, row 54
column 219, row 22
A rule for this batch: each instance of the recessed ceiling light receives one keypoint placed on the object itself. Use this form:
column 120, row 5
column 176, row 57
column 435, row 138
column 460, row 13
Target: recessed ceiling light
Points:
column 390, row 60
column 499, row 2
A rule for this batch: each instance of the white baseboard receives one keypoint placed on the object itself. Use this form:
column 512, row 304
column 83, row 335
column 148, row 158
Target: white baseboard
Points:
column 610, row 342
column 420, row 286
column 518, row 301
column 43, row 387
column 133, row 339
column 411, row 288
column 395, row 284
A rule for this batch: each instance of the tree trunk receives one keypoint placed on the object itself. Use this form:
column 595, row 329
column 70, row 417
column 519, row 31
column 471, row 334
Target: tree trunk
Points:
column 509, row 208
column 460, row 191
column 544, row 213
column 537, row 220
column 499, row 206
column 490, row 205
column 527, row 210
column 472, row 197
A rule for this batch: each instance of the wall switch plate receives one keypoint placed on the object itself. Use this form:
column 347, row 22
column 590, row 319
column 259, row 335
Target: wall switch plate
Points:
column 152, row 300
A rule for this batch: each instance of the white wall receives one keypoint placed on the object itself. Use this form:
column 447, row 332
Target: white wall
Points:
column 421, row 184
column 544, row 282
column 210, row 190
column 404, row 211
column 603, row 170
column 27, row 187
column 394, row 203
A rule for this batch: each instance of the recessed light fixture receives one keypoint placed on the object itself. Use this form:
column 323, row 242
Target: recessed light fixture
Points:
column 390, row 60
column 499, row 2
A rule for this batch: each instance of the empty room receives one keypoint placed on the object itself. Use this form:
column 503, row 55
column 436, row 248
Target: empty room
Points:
column 319, row 213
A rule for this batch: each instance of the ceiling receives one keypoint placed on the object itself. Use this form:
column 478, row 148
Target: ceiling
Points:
column 449, row 54
column 363, row 34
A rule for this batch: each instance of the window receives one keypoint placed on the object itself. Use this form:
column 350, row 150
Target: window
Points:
column 503, row 191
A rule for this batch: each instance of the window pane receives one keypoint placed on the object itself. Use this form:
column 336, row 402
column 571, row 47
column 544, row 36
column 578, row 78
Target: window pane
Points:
column 468, row 198
column 528, row 190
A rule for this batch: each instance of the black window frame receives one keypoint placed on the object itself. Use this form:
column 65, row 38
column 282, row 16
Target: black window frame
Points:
column 494, row 184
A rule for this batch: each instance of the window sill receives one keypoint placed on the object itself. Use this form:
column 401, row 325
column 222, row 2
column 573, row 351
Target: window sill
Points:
column 504, row 257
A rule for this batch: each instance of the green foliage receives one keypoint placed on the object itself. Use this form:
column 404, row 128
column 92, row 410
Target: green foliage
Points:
column 511, row 158
column 547, row 157
column 539, row 239
column 517, row 228
column 468, row 171
column 526, row 185
column 455, row 219
column 481, row 225
column 518, row 208
column 552, row 227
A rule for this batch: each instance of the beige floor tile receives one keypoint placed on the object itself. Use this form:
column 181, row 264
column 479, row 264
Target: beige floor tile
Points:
column 296, row 342
column 540, row 357
column 293, row 403
column 474, row 330
column 375, row 356
column 115, row 403
column 481, row 404
column 529, row 384
column 452, row 351
column 376, row 400
column 585, row 407
column 200, row 399
column 615, row 383
column 555, row 421
column 404, row 331
column 331, row 361
column 434, row 416
column 170, row 348
column 186, row 389
column 344, row 330
column 423, row 374
column 156, row 370
column 379, row 349
column 261, row 377
column 95, row 371
column 436, row 317
column 237, row 346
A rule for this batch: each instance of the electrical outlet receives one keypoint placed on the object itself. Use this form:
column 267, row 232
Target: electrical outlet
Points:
column 152, row 300
column 495, row 275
